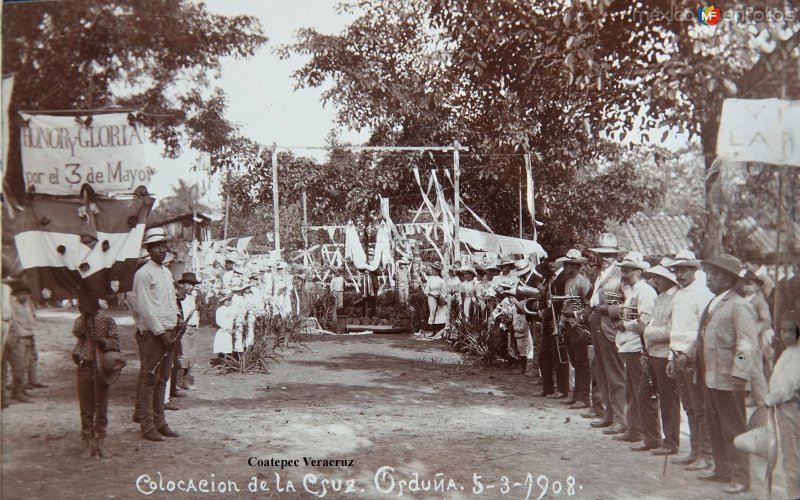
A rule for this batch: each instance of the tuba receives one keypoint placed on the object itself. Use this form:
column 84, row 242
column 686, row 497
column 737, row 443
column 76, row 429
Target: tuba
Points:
column 613, row 298
column 628, row 313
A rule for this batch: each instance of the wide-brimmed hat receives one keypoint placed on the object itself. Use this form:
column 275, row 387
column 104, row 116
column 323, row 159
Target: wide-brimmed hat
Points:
column 751, row 276
column 726, row 263
column 685, row 258
column 154, row 235
column 634, row 260
column 573, row 256
column 109, row 365
column 662, row 271
column 240, row 288
column 468, row 269
column 666, row 262
column 189, row 278
column 506, row 262
column 606, row 243
column 504, row 288
column 492, row 267
column 168, row 257
column 523, row 267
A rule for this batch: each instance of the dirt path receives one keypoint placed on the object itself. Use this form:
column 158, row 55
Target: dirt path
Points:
column 382, row 401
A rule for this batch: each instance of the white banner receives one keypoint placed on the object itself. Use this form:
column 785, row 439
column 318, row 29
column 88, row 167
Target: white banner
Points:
column 762, row 130
column 61, row 153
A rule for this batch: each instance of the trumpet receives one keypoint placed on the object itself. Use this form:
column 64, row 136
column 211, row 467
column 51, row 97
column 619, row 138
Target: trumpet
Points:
column 572, row 303
column 613, row 298
column 628, row 313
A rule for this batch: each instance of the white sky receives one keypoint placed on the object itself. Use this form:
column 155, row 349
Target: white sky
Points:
column 260, row 90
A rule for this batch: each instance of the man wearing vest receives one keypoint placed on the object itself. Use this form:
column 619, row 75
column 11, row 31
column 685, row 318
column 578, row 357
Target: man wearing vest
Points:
column 608, row 367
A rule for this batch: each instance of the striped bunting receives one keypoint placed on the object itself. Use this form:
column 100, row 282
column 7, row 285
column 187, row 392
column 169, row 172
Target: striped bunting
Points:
column 68, row 245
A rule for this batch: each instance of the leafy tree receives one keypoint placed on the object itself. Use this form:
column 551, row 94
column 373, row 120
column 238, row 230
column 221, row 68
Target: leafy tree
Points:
column 139, row 54
column 551, row 77
column 185, row 198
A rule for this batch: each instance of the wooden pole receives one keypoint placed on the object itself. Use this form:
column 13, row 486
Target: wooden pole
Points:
column 520, row 202
column 778, row 258
column 456, row 181
column 275, row 214
column 305, row 229
column 227, row 205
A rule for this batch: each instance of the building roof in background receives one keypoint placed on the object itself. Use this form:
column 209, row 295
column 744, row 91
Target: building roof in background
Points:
column 659, row 235
column 765, row 240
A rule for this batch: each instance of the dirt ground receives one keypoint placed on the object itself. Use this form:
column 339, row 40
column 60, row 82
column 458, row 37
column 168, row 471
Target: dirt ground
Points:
column 403, row 414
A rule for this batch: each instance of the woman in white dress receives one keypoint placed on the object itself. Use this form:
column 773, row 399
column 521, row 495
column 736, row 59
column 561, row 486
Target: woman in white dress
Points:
column 225, row 318
column 438, row 292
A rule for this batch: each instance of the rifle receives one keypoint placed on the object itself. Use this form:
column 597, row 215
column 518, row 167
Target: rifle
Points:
column 651, row 380
column 177, row 339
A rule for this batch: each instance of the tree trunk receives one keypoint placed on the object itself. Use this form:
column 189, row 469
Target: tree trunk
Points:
column 716, row 205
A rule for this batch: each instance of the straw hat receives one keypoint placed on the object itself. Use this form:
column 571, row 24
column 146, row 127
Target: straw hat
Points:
column 468, row 269
column 573, row 256
column 685, row 258
column 633, row 260
column 662, row 271
column 506, row 262
column 154, row 235
column 607, row 243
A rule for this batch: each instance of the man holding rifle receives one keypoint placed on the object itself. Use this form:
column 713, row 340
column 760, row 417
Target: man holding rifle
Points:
column 156, row 315
column 687, row 308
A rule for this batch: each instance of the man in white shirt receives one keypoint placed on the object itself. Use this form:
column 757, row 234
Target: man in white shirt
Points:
column 642, row 414
column 656, row 337
column 156, row 317
column 687, row 308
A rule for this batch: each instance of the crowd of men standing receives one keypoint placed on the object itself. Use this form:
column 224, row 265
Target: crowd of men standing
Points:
column 680, row 332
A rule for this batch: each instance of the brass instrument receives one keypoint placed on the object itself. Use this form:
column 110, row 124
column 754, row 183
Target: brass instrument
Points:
column 530, row 297
column 561, row 342
column 613, row 298
column 628, row 313
column 572, row 303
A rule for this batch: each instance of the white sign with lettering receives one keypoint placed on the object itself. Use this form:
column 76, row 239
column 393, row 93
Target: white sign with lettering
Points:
column 762, row 130
column 62, row 153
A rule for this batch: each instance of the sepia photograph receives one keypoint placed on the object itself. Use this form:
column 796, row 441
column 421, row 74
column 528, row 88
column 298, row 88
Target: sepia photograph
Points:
column 450, row 249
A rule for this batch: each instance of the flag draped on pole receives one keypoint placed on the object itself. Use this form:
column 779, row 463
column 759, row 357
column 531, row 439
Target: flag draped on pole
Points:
column 72, row 246
column 530, row 192
column 5, row 92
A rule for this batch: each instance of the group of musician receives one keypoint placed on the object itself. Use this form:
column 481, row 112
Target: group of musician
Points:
column 677, row 332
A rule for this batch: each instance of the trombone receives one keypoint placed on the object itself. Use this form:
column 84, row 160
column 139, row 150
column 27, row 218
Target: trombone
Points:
column 561, row 344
